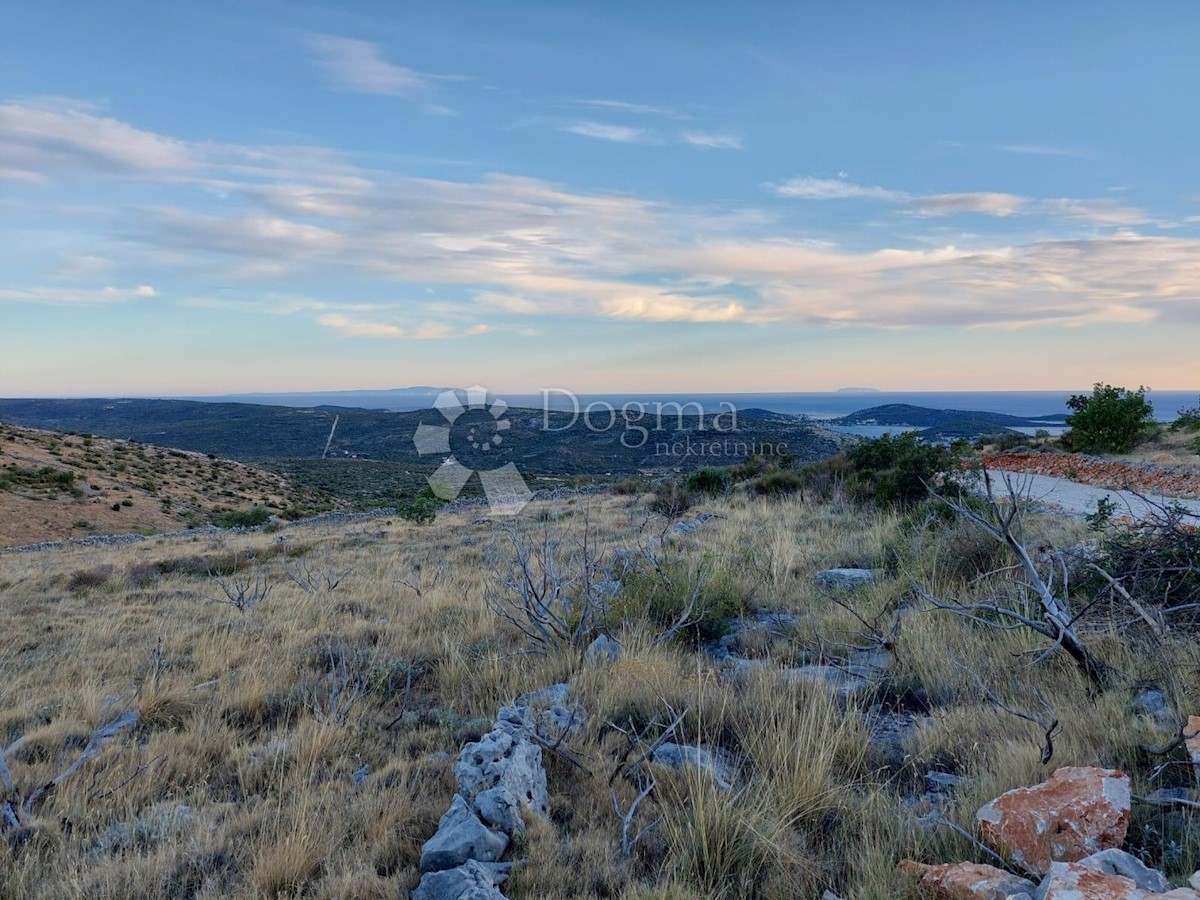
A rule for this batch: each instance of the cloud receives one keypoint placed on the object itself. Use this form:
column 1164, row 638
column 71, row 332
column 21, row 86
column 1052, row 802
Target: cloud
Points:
column 984, row 202
column 713, row 140
column 1041, row 150
column 55, row 296
column 39, row 140
column 622, row 134
column 527, row 250
column 1099, row 212
column 359, row 67
column 636, row 108
column 348, row 327
column 805, row 188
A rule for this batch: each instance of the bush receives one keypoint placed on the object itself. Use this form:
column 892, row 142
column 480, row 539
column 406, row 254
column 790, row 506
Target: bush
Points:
column 628, row 487
column 671, row 500
column 242, row 518
column 421, row 509
column 778, row 484
column 87, row 579
column 1110, row 420
column 1189, row 420
column 894, row 471
column 710, row 480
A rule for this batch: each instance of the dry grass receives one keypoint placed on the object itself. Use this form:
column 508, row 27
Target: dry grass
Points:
column 232, row 785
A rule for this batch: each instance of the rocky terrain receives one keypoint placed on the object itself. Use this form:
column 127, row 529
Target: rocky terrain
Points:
column 1157, row 479
column 55, row 486
column 755, row 697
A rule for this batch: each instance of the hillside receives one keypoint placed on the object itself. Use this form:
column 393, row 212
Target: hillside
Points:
column 799, row 733
column 555, row 444
column 55, row 485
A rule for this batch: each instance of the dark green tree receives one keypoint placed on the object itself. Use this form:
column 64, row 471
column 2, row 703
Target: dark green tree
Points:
column 1109, row 420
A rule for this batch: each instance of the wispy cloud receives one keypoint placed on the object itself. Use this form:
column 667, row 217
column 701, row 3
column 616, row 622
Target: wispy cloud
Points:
column 713, row 140
column 621, row 134
column 986, row 203
column 528, row 250
column 360, row 67
column 635, row 108
column 56, row 296
column 1042, row 150
column 806, row 188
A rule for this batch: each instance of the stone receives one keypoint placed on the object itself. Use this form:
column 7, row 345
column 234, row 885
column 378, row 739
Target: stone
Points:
column 844, row 579
column 966, row 881
column 359, row 776
column 498, row 808
column 559, row 722
column 554, row 695
column 680, row 756
column 602, row 650
column 1075, row 881
column 1152, row 704
column 461, row 836
column 1191, row 740
column 1118, row 862
column 1078, row 811
column 686, row 527
column 504, row 757
column 841, row 683
column 471, row 881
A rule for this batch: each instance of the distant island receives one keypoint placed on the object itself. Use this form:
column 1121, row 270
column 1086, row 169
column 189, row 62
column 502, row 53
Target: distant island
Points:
column 858, row 390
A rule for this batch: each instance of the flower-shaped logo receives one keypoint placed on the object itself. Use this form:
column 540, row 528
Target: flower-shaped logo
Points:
column 480, row 435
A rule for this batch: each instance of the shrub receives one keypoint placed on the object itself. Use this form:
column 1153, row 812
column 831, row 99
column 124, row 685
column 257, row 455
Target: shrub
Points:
column 1110, row 420
column 628, row 487
column 242, row 518
column 894, row 471
column 710, row 480
column 421, row 509
column 1188, row 420
column 778, row 484
column 87, row 579
column 671, row 500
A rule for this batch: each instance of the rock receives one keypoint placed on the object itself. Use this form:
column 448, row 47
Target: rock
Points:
column 966, row 881
column 559, row 721
column 471, row 881
column 840, row 682
column 498, row 808
column 504, row 757
column 1075, row 881
column 685, row 527
column 680, row 756
column 1194, row 881
column 554, row 695
column 1118, row 862
column 844, row 579
column 460, row 837
column 1191, row 739
column 602, row 650
column 359, row 776
column 1078, row 811
column 1152, row 704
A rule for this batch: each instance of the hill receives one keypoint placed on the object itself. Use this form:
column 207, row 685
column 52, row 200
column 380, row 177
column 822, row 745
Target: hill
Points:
column 545, row 446
column 926, row 417
column 55, row 485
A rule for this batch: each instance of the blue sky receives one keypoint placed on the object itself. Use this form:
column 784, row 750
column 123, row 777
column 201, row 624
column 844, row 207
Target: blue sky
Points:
column 222, row 197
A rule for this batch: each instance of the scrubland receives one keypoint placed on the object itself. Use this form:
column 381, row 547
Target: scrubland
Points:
column 302, row 746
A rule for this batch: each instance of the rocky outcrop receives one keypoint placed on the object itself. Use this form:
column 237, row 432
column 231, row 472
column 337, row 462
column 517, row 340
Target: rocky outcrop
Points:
column 1078, row 811
column 1076, row 881
column 966, row 881
column 461, row 836
column 500, row 780
column 470, row 881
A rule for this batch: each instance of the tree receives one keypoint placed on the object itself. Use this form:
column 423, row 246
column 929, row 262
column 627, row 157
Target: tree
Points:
column 1110, row 420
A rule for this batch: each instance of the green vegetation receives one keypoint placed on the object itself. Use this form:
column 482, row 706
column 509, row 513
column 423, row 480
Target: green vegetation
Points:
column 43, row 479
column 1110, row 420
column 242, row 518
column 898, row 470
column 711, row 481
column 1188, row 420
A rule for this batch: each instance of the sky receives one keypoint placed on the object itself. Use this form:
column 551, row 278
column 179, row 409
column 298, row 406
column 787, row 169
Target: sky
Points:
column 222, row 197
